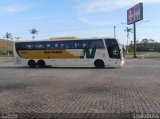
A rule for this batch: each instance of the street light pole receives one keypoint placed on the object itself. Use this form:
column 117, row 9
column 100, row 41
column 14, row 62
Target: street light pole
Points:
column 114, row 31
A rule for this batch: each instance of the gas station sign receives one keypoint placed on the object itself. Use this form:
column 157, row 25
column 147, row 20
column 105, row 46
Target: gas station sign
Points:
column 135, row 14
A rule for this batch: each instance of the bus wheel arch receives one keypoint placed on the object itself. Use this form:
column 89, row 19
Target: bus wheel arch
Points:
column 99, row 63
column 31, row 63
column 41, row 63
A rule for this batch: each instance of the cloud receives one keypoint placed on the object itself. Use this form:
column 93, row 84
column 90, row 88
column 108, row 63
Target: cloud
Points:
column 92, row 7
column 14, row 8
column 87, row 20
column 109, row 5
column 40, row 19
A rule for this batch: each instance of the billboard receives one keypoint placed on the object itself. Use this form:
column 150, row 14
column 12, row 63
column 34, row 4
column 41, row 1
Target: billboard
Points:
column 135, row 14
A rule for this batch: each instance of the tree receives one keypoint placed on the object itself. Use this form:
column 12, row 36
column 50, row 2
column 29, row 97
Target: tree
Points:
column 128, row 30
column 8, row 36
column 157, row 47
column 33, row 32
column 146, row 45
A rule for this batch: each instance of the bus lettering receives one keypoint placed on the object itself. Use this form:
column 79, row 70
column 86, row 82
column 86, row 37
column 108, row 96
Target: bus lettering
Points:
column 52, row 52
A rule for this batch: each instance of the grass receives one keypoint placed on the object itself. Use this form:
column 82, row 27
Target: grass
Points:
column 5, row 55
column 142, row 55
column 152, row 57
column 139, row 53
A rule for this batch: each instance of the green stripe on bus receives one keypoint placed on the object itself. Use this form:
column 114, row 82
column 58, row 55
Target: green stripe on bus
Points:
column 88, row 54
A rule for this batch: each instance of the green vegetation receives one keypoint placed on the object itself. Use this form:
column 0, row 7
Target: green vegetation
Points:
column 146, row 45
column 138, row 53
column 33, row 31
column 5, row 53
column 146, row 55
column 147, row 48
column 152, row 57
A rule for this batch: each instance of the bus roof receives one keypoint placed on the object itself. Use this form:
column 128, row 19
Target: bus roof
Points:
column 64, row 38
column 56, row 39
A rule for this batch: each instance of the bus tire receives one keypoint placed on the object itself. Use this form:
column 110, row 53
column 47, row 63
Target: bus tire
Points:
column 41, row 63
column 99, row 63
column 31, row 63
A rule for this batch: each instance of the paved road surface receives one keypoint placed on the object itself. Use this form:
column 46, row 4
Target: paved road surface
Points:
column 134, row 88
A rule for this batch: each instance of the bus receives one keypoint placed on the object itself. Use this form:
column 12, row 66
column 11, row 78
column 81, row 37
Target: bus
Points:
column 80, row 52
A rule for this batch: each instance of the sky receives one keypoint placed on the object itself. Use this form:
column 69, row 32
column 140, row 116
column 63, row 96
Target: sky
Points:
column 81, row 18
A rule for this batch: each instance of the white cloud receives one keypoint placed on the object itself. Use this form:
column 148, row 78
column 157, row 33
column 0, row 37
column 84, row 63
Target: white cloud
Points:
column 14, row 8
column 91, row 7
column 99, row 22
column 109, row 5
column 40, row 19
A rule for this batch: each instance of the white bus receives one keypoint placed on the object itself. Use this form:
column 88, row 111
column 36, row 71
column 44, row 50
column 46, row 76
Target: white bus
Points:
column 86, row 52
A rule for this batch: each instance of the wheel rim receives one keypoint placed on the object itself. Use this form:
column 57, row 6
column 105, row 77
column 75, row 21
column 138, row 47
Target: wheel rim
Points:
column 32, row 64
column 41, row 64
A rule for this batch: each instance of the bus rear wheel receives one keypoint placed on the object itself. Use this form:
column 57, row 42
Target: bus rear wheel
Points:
column 99, row 63
column 41, row 63
column 31, row 63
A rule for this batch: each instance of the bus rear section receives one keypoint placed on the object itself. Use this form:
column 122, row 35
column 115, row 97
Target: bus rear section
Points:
column 99, row 53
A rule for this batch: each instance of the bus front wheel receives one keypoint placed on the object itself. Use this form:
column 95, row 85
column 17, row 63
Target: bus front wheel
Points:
column 31, row 63
column 99, row 63
column 41, row 63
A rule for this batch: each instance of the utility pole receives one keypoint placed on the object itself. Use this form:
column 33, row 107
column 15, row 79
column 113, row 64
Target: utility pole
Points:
column 114, row 31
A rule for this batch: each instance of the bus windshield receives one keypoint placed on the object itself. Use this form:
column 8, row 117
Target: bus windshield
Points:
column 113, row 48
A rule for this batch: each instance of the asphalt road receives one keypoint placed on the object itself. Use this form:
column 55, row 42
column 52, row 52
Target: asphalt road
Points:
column 131, row 89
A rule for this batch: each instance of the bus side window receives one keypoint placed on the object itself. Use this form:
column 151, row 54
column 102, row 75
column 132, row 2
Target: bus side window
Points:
column 19, row 46
column 83, row 44
column 92, row 44
column 29, row 46
column 55, row 45
column 69, row 44
column 62, row 45
column 48, row 45
column 99, row 44
column 40, row 45
column 75, row 44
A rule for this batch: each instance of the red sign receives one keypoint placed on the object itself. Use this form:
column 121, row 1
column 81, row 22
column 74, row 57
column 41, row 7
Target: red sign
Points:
column 135, row 14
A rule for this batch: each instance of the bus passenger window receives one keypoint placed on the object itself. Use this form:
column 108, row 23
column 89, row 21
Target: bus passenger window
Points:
column 92, row 44
column 62, row 45
column 19, row 46
column 99, row 44
column 29, row 46
column 55, row 45
column 69, row 45
column 48, row 46
column 39, row 45
column 83, row 44
column 75, row 45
